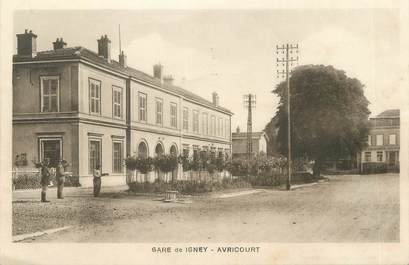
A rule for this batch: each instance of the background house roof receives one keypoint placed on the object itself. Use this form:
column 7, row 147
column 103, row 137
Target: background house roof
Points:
column 243, row 135
column 391, row 113
column 86, row 54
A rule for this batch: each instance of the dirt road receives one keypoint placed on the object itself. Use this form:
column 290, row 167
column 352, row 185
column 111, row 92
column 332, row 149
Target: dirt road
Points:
column 346, row 209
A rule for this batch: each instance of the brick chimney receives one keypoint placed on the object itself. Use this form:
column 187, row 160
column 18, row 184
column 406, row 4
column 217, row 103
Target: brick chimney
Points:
column 27, row 44
column 59, row 44
column 104, row 48
column 168, row 79
column 157, row 71
column 215, row 97
column 122, row 59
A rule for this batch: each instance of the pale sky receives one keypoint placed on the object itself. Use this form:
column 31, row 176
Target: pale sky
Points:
column 232, row 52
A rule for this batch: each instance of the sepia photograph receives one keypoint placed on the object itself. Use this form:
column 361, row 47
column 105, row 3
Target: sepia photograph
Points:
column 221, row 130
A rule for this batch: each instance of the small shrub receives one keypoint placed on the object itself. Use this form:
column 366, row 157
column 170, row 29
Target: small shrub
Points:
column 143, row 165
column 72, row 181
column 166, row 163
column 186, row 162
column 26, row 181
column 374, row 168
column 187, row 187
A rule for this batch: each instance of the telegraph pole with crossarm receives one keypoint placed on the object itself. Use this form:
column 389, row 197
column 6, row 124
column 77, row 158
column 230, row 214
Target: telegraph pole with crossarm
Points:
column 286, row 61
column 249, row 103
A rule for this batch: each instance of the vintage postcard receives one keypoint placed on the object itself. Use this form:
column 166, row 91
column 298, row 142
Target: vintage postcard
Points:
column 204, row 133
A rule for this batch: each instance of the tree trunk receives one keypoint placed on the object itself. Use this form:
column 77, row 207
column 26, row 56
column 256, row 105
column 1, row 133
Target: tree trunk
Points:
column 316, row 170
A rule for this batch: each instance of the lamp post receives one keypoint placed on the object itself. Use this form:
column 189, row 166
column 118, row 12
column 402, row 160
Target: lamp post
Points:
column 286, row 61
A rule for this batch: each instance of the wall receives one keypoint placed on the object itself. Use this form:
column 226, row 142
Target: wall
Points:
column 106, row 134
column 26, row 86
column 107, row 82
column 25, row 140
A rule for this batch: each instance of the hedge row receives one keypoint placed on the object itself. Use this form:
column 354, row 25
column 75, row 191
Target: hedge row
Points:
column 281, row 179
column 374, row 168
column 32, row 181
column 187, row 187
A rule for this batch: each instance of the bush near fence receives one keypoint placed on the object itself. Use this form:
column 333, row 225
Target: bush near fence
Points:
column 237, row 173
column 30, row 179
column 374, row 168
column 187, row 187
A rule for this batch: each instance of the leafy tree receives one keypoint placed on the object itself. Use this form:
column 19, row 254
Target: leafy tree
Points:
column 271, row 130
column 329, row 114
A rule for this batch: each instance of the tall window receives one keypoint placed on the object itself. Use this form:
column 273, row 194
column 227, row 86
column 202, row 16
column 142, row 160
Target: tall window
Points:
column 95, row 96
column 195, row 121
column 392, row 139
column 219, row 127
column 173, row 115
column 379, row 156
column 142, row 106
column 185, row 119
column 226, row 129
column 367, row 156
column 159, row 111
column 50, row 89
column 369, row 140
column 205, row 124
column 379, row 139
column 117, row 157
column 213, row 125
column 94, row 154
column 117, row 102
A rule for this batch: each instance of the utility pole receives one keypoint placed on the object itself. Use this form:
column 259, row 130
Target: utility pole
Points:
column 249, row 103
column 286, row 61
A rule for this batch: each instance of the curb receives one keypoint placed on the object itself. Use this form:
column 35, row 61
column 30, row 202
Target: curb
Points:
column 236, row 194
column 294, row 187
column 40, row 233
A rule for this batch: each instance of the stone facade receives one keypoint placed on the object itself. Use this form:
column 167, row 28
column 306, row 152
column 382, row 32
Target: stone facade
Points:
column 74, row 104
column 383, row 141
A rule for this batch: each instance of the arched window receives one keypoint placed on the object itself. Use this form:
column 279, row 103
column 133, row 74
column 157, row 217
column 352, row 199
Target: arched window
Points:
column 142, row 150
column 159, row 150
column 173, row 150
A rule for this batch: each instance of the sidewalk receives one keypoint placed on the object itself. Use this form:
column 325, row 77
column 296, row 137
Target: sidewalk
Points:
column 34, row 194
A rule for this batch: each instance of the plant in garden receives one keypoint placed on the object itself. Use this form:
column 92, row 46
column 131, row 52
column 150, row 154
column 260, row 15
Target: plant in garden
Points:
column 130, row 163
column 329, row 114
column 166, row 163
column 196, row 163
column 143, row 165
column 220, row 164
column 186, row 162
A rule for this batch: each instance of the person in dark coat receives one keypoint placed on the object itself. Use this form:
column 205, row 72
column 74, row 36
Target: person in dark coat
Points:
column 60, row 178
column 97, row 180
column 45, row 179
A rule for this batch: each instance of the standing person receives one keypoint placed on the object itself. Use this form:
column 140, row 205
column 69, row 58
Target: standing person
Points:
column 60, row 178
column 45, row 179
column 97, row 180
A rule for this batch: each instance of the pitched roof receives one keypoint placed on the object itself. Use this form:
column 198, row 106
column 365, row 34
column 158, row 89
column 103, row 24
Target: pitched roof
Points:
column 86, row 54
column 391, row 113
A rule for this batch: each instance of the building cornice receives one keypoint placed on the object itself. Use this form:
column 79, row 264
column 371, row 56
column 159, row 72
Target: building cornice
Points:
column 125, row 76
column 183, row 136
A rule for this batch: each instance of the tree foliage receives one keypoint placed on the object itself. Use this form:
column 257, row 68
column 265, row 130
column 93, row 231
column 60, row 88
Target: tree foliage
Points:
column 329, row 114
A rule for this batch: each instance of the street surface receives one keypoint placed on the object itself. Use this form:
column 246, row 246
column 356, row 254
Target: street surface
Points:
column 348, row 208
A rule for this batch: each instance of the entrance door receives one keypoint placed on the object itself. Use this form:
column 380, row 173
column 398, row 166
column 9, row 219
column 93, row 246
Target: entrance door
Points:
column 392, row 158
column 51, row 149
